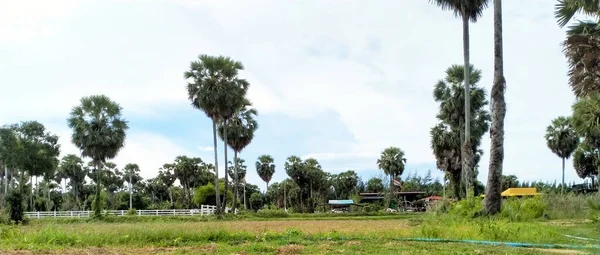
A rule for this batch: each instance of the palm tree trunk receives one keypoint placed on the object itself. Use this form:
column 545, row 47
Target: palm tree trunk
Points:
column 97, row 209
column 245, row 204
column 224, row 204
column 130, row 190
column 466, row 147
column 171, row 196
column 391, row 192
column 493, row 199
column 563, row 176
column 236, row 183
column 6, row 181
column 31, row 194
column 217, row 192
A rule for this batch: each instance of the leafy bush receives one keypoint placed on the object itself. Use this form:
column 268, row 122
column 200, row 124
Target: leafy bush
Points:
column 132, row 212
column 16, row 207
column 256, row 201
column 467, row 208
column 593, row 209
column 519, row 209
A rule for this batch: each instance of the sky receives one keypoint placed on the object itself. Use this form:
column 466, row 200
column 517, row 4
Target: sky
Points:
column 336, row 80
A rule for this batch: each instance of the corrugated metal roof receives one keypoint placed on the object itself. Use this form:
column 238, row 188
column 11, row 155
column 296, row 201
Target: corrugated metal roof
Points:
column 341, row 202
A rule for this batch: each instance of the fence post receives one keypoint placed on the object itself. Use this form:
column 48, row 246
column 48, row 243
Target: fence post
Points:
column 54, row 213
column 157, row 212
column 38, row 215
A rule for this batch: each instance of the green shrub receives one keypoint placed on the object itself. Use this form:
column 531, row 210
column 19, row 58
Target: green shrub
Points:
column 132, row 212
column 268, row 213
column 593, row 209
column 520, row 209
column 467, row 208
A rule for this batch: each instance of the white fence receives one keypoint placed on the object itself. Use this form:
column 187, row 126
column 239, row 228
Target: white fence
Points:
column 204, row 210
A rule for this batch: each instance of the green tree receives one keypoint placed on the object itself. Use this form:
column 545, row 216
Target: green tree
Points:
column 166, row 176
column 238, row 168
column 74, row 170
column 191, row 173
column 40, row 152
column 509, row 181
column 345, row 184
column 562, row 140
column 375, row 185
column 468, row 11
column 265, row 167
column 392, row 162
column 132, row 176
column 256, row 201
column 585, row 161
column 586, row 112
column 240, row 132
column 215, row 88
column 99, row 131
column 11, row 152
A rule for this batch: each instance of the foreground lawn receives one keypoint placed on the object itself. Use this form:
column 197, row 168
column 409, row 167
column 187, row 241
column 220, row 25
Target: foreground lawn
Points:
column 323, row 247
column 292, row 236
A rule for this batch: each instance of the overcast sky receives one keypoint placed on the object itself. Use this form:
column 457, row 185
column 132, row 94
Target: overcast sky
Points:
column 337, row 80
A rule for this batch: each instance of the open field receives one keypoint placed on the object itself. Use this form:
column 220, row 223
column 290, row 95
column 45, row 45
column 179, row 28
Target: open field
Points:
column 366, row 235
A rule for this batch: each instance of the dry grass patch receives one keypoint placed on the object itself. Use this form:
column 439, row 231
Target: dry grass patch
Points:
column 290, row 249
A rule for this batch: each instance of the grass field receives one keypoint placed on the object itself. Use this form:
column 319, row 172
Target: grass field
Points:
column 315, row 235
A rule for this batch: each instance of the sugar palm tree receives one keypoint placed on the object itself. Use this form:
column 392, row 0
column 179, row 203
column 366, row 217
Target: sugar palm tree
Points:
column 392, row 162
column 582, row 44
column 240, row 132
column 562, row 140
column 99, row 131
column 586, row 112
column 215, row 88
column 265, row 167
column 446, row 135
column 493, row 199
column 468, row 11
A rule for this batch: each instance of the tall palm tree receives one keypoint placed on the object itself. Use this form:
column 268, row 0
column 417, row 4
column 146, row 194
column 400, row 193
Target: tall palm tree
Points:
column 446, row 135
column 582, row 45
column 240, row 132
column 586, row 112
column 468, row 11
column 562, row 140
column 392, row 162
column 265, row 167
column 493, row 199
column 99, row 131
column 215, row 88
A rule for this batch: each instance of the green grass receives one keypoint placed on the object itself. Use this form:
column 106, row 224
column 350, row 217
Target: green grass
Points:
column 312, row 234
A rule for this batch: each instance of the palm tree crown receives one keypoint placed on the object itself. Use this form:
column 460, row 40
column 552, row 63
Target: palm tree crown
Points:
column 470, row 9
column 392, row 161
column 561, row 138
column 214, row 87
column 98, row 128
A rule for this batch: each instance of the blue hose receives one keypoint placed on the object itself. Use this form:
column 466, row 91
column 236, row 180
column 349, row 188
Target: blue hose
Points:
column 512, row 244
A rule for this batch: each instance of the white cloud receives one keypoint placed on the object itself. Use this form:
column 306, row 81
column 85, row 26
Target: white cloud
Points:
column 206, row 148
column 150, row 151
